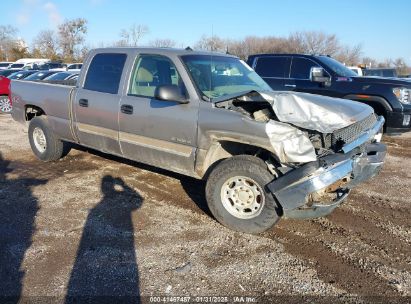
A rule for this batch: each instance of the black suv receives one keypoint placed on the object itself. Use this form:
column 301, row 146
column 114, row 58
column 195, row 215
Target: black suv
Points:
column 318, row 74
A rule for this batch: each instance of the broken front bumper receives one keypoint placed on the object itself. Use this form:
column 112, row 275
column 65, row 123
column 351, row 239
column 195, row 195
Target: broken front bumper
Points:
column 317, row 188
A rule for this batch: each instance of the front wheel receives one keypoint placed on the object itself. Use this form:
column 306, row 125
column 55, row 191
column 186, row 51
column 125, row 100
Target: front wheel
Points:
column 5, row 104
column 44, row 143
column 237, row 197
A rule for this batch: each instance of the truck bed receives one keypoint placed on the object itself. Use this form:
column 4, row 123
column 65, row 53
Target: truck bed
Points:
column 53, row 99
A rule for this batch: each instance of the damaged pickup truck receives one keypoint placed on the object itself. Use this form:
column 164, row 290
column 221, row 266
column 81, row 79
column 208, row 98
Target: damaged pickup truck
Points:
column 264, row 154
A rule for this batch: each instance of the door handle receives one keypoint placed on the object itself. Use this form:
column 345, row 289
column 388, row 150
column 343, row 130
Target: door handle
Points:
column 83, row 103
column 290, row 85
column 126, row 109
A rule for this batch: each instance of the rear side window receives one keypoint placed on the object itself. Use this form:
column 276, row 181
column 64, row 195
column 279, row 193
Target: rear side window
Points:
column 104, row 73
column 277, row 67
column 301, row 67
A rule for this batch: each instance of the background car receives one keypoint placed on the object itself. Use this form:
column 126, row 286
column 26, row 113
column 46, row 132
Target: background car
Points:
column 40, row 75
column 16, row 66
column 53, row 66
column 74, row 67
column 383, row 72
column 4, row 65
column 6, row 73
column 61, row 76
column 21, row 74
column 5, row 104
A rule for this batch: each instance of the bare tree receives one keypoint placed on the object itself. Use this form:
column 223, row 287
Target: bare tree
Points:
column 349, row 55
column 213, row 43
column 46, row 43
column 7, row 40
column 369, row 62
column 132, row 36
column 401, row 67
column 18, row 51
column 71, row 34
column 162, row 43
column 314, row 43
column 387, row 63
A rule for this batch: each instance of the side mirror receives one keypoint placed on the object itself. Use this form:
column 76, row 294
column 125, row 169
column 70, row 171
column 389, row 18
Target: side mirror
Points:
column 319, row 75
column 170, row 92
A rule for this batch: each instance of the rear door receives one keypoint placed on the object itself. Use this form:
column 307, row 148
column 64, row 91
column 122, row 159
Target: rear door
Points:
column 157, row 132
column 274, row 70
column 96, row 103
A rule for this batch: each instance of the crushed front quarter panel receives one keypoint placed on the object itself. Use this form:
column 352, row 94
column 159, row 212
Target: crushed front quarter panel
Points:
column 290, row 144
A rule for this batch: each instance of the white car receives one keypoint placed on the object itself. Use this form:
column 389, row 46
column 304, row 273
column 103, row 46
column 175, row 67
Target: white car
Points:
column 27, row 63
column 74, row 67
column 4, row 65
column 357, row 70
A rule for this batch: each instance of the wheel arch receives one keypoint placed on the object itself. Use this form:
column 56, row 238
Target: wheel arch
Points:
column 380, row 105
column 31, row 111
column 222, row 149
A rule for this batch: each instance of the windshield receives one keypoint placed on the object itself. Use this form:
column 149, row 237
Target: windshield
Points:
column 337, row 67
column 217, row 76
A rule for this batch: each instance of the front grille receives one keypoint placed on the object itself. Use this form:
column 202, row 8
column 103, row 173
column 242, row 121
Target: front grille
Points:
column 348, row 134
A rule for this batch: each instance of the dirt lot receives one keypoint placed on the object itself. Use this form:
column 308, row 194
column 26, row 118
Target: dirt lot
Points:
column 95, row 225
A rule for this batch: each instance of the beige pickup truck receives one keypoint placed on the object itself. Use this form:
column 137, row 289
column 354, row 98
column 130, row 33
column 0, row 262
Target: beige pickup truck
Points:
column 264, row 154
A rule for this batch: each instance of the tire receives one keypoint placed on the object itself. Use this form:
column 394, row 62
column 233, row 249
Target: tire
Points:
column 237, row 197
column 5, row 104
column 44, row 143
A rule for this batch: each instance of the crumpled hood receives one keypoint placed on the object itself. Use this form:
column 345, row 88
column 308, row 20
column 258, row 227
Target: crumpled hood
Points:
column 316, row 112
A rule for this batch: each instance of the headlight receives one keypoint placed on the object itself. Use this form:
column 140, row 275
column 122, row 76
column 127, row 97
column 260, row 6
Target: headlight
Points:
column 403, row 95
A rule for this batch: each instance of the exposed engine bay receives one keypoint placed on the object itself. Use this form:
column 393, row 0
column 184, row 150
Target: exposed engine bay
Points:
column 303, row 127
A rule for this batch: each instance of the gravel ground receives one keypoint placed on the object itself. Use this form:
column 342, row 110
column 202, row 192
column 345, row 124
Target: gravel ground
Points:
column 93, row 225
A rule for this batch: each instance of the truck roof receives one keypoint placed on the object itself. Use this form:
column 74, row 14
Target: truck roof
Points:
column 161, row 51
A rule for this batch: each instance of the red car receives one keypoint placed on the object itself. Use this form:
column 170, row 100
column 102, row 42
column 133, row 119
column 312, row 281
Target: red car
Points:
column 5, row 102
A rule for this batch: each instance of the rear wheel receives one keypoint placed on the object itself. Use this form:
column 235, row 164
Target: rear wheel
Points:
column 5, row 104
column 44, row 143
column 237, row 197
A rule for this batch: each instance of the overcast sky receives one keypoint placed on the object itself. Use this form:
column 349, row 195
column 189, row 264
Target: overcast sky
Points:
column 383, row 28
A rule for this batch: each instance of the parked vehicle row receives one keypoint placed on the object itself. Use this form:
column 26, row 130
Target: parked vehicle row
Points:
column 40, row 64
column 29, row 75
column 264, row 154
column 322, row 75
column 379, row 72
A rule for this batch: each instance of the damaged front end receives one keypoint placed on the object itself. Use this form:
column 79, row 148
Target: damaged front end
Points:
column 317, row 188
column 325, row 147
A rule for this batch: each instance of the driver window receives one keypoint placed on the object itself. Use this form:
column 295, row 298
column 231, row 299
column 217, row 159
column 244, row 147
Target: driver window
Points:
column 151, row 71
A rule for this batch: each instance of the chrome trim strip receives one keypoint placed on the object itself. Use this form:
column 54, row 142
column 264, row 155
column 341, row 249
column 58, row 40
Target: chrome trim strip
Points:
column 367, row 135
column 157, row 144
column 95, row 130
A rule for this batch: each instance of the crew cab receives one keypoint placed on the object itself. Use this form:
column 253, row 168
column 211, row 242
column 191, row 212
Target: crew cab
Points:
column 264, row 154
column 323, row 75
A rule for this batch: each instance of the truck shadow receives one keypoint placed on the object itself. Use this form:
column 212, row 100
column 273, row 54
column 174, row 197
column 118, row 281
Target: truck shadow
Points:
column 18, row 209
column 194, row 188
column 105, row 269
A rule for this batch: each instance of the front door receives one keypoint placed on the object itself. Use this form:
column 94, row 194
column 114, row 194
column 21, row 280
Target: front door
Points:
column 300, row 78
column 157, row 132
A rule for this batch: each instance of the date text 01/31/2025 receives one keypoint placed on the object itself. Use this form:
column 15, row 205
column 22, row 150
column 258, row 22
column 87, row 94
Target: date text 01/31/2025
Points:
column 202, row 299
